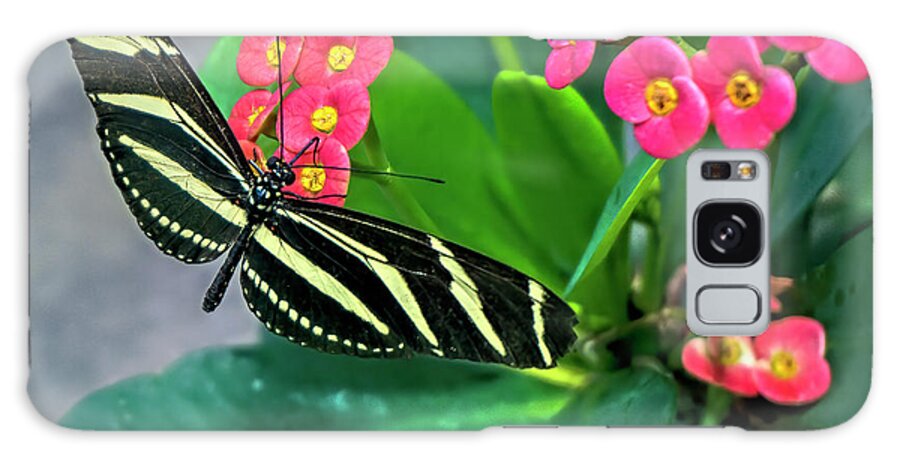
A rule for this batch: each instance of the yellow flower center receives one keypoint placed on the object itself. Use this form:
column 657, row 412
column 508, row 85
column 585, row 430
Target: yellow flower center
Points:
column 324, row 119
column 743, row 91
column 783, row 365
column 340, row 57
column 255, row 114
column 661, row 96
column 731, row 352
column 312, row 179
column 273, row 57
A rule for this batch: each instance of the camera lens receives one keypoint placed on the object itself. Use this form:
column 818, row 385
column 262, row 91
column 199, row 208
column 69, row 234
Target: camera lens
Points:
column 728, row 233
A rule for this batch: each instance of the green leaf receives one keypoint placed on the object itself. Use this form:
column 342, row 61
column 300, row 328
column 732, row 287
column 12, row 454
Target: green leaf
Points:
column 840, row 293
column 830, row 122
column 281, row 386
column 635, row 396
column 561, row 163
column 425, row 128
column 844, row 207
column 219, row 74
column 629, row 190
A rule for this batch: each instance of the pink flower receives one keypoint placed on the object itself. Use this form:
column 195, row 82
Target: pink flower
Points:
column 249, row 114
column 257, row 61
column 327, row 61
column 790, row 367
column 749, row 101
column 568, row 60
column 837, row 62
column 727, row 362
column 649, row 85
column 340, row 113
column 796, row 43
column 322, row 176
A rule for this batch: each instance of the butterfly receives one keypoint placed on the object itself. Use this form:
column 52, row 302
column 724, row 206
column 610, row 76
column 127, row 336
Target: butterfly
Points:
column 321, row 276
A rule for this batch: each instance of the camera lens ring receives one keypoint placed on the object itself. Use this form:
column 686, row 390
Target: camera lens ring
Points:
column 742, row 244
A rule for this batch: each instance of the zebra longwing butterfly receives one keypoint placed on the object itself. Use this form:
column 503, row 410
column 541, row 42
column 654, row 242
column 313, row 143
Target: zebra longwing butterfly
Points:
column 321, row 276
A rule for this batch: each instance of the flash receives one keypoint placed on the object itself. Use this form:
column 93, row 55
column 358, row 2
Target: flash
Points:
column 746, row 170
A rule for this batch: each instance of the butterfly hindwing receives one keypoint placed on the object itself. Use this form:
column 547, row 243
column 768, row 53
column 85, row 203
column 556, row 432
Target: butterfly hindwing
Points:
column 360, row 279
column 170, row 151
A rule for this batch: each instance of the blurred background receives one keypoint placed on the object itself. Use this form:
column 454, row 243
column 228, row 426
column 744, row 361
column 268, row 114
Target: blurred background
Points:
column 105, row 303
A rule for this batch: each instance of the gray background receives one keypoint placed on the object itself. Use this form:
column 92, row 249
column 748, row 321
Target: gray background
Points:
column 105, row 304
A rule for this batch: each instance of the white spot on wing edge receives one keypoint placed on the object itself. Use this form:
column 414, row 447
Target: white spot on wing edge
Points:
column 537, row 294
column 317, row 277
column 389, row 275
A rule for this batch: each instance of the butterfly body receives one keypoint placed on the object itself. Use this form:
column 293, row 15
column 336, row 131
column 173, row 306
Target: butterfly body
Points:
column 318, row 275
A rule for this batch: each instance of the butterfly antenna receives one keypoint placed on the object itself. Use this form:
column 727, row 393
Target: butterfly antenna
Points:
column 372, row 172
column 280, row 92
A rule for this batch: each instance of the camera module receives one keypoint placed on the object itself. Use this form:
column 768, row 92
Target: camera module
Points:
column 728, row 233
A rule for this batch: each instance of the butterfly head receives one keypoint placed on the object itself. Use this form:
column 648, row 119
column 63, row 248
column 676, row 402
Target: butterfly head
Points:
column 280, row 171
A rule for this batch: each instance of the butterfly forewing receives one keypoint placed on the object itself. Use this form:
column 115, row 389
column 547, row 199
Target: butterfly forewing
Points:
column 322, row 276
column 170, row 151
column 333, row 279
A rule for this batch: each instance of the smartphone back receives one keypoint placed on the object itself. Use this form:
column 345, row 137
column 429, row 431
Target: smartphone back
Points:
column 458, row 233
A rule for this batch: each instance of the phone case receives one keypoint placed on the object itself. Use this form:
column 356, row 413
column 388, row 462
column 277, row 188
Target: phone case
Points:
column 428, row 233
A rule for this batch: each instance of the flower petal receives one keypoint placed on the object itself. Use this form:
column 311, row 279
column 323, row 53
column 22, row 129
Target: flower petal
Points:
column 779, row 98
column 735, row 54
column 796, row 43
column 741, row 128
column 809, row 384
column 800, row 335
column 837, row 62
column 671, row 135
column 659, row 57
column 354, row 108
column 565, row 64
column 709, row 78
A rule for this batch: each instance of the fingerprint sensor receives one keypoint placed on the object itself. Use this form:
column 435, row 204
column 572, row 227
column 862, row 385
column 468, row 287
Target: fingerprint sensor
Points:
column 722, row 304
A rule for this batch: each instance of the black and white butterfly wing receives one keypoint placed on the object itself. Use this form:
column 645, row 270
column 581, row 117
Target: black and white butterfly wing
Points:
column 346, row 282
column 171, row 152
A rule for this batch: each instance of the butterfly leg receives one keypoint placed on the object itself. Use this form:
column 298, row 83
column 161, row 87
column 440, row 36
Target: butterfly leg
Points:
column 217, row 289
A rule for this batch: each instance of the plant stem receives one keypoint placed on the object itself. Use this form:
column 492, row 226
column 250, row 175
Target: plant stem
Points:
column 410, row 209
column 648, row 295
column 506, row 54
column 718, row 403
column 602, row 339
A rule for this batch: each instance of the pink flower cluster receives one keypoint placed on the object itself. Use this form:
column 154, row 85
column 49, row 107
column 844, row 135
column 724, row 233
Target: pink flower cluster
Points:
column 325, row 96
column 671, row 99
column 786, row 364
